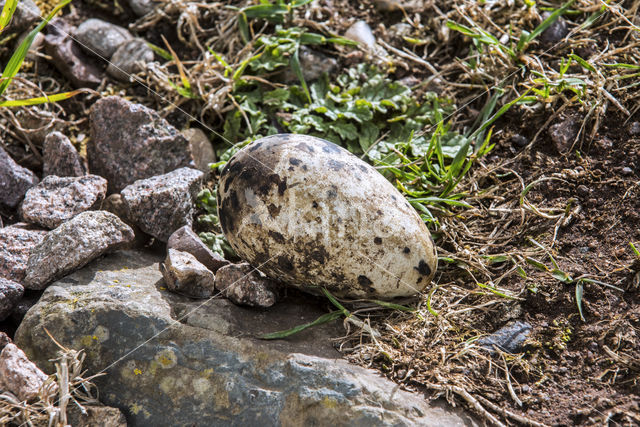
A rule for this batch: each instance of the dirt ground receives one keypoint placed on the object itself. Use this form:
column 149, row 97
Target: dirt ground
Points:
column 539, row 192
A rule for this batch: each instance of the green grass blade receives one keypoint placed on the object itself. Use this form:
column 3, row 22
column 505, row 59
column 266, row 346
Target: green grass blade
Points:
column 325, row 318
column 15, row 62
column 41, row 99
column 549, row 21
column 434, row 199
column 297, row 69
column 163, row 53
column 579, row 291
column 634, row 249
column 7, row 13
column 392, row 305
column 537, row 264
column 335, row 302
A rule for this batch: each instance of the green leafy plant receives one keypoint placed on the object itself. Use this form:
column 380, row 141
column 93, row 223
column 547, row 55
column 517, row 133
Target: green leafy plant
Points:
column 16, row 60
column 206, row 200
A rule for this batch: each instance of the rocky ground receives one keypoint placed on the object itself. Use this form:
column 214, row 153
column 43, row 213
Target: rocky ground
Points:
column 533, row 316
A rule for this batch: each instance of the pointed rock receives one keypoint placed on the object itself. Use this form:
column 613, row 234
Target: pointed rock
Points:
column 60, row 157
column 14, row 181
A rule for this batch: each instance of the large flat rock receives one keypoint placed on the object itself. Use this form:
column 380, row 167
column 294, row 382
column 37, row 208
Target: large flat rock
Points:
column 171, row 360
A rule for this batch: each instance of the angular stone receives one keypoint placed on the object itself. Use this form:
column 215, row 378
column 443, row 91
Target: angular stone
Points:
column 68, row 57
column 116, row 206
column 243, row 285
column 10, row 294
column 26, row 14
column 60, row 157
column 96, row 416
column 186, row 240
column 101, row 38
column 509, row 338
column 58, row 199
column 361, row 33
column 19, row 375
column 14, row 181
column 130, row 58
column 183, row 274
column 554, row 32
column 206, row 369
column 164, row 203
column 142, row 7
column 201, row 148
column 16, row 243
column 563, row 134
column 130, row 142
column 74, row 244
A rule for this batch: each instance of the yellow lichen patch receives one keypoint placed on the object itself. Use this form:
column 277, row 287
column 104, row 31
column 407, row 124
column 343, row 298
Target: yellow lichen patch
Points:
column 135, row 408
column 137, row 371
column 207, row 372
column 330, row 403
column 166, row 358
column 100, row 334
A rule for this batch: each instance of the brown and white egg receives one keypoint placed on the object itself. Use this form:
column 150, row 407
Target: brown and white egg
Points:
column 311, row 214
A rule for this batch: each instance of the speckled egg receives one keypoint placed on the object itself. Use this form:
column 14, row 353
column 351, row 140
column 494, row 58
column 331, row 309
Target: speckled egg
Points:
column 309, row 213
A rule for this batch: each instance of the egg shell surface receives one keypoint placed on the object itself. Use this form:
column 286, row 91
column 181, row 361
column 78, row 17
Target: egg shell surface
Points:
column 311, row 214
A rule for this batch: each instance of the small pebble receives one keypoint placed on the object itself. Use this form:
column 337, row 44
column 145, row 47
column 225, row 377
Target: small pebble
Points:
column 519, row 140
column 361, row 33
column 634, row 129
column 583, row 190
column 626, row 171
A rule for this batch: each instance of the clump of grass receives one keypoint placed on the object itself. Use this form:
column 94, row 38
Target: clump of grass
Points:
column 15, row 62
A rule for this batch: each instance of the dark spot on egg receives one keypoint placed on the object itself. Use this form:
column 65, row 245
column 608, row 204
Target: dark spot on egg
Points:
column 285, row 263
column 304, row 168
column 278, row 237
column 336, row 165
column 377, row 240
column 254, row 147
column 305, row 147
column 364, row 280
column 363, row 168
column 294, row 161
column 406, row 250
column 273, row 210
column 255, row 220
column 419, row 280
column 332, row 193
column 282, row 187
column 393, row 197
column 233, row 200
column 330, row 147
column 314, row 204
column 423, row 268
column 379, row 212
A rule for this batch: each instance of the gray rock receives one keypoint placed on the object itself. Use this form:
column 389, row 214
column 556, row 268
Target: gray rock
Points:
column 14, row 181
column 68, row 57
column 184, row 274
column 130, row 142
column 164, row 203
column 555, row 32
column 96, row 416
column 58, row 199
column 130, row 58
column 60, row 157
column 186, row 240
column 142, row 7
column 634, row 128
column 510, row 338
column 243, row 285
column 74, row 244
column 18, row 374
column 16, row 243
column 400, row 30
column 26, row 14
column 116, row 206
column 206, row 369
column 10, row 294
column 101, row 38
column 563, row 134
column 361, row 33
column 201, row 148
column 519, row 141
